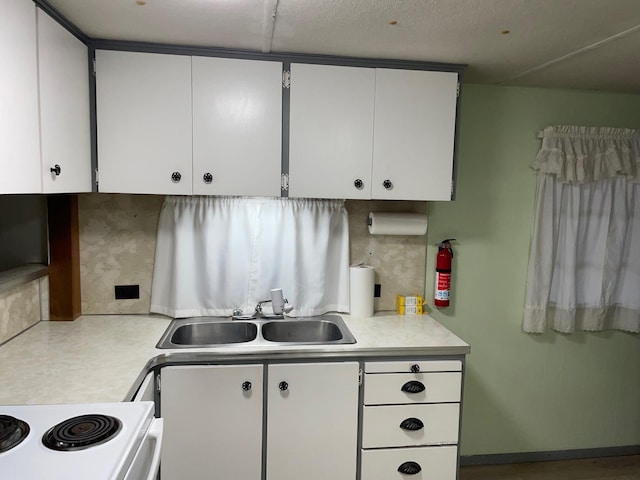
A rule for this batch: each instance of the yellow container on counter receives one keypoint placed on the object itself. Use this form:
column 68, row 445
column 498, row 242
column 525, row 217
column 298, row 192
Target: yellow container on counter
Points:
column 409, row 304
column 409, row 300
column 409, row 309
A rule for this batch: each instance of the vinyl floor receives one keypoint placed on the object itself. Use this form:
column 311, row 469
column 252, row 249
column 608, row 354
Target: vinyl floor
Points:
column 610, row 468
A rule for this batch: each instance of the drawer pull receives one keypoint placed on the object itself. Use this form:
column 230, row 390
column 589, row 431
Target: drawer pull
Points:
column 410, row 468
column 413, row 386
column 412, row 424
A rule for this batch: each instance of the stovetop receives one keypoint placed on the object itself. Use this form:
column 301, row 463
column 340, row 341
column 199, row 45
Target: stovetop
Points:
column 116, row 429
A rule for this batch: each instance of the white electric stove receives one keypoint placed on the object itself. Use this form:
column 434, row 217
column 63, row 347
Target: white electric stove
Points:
column 109, row 441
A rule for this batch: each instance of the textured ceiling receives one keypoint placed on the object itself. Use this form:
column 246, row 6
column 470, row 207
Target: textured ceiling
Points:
column 586, row 44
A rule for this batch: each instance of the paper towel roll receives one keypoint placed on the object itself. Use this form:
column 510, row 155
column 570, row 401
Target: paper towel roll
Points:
column 361, row 286
column 397, row 223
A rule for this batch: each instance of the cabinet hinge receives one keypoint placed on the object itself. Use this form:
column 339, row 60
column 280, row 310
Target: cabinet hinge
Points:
column 97, row 178
column 94, row 66
column 458, row 89
column 284, row 182
column 452, row 187
column 360, row 377
column 286, row 79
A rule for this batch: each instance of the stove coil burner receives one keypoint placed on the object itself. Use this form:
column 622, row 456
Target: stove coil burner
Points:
column 81, row 432
column 12, row 432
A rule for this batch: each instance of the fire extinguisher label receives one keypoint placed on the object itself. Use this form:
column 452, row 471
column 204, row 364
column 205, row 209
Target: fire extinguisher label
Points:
column 442, row 295
column 443, row 286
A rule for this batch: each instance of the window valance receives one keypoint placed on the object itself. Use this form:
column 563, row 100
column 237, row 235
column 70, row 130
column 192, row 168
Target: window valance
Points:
column 585, row 154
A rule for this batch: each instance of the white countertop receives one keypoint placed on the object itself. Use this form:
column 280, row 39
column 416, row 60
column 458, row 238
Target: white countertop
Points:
column 98, row 358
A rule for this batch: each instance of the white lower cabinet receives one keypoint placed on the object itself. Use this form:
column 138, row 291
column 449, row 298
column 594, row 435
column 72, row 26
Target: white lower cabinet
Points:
column 214, row 416
column 411, row 419
column 312, row 421
column 426, row 463
column 212, row 422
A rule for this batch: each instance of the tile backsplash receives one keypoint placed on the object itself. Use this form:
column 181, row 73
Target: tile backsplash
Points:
column 118, row 237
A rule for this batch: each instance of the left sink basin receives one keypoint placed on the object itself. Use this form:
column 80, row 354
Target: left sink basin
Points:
column 208, row 333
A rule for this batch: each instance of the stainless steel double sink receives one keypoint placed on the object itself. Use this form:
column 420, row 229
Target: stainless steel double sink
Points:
column 196, row 332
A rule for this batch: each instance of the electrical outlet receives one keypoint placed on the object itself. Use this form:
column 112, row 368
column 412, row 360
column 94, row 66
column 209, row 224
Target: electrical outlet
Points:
column 127, row 292
column 377, row 288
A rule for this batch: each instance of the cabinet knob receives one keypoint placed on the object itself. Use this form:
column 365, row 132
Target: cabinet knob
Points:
column 246, row 386
column 415, row 368
column 412, row 424
column 410, row 468
column 413, row 386
column 56, row 169
column 387, row 184
column 175, row 177
column 207, row 178
column 284, row 386
column 358, row 183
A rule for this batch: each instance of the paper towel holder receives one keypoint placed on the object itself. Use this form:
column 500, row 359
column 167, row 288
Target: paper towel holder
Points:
column 397, row 223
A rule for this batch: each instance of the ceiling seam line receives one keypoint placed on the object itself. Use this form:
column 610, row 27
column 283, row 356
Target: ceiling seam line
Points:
column 270, row 26
column 569, row 55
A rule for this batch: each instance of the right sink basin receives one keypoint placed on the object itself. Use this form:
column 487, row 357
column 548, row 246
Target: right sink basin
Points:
column 326, row 329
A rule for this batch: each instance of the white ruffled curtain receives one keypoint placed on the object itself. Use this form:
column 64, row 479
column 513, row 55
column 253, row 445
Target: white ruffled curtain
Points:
column 217, row 254
column 584, row 262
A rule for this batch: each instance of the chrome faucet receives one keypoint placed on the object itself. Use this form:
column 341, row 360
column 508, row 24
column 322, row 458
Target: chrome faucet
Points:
column 279, row 304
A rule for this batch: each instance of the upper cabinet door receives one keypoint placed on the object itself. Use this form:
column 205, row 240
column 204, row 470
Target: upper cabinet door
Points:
column 237, row 127
column 143, row 106
column 414, row 134
column 19, row 129
column 331, row 131
column 64, row 109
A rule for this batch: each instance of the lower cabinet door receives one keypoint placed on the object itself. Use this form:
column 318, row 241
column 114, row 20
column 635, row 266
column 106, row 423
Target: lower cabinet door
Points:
column 212, row 422
column 424, row 463
column 312, row 421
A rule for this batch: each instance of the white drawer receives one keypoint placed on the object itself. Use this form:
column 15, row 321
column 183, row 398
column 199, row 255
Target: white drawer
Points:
column 408, row 366
column 383, row 388
column 435, row 463
column 381, row 426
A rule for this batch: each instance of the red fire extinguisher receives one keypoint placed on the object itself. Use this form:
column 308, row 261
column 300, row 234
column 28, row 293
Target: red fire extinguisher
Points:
column 443, row 273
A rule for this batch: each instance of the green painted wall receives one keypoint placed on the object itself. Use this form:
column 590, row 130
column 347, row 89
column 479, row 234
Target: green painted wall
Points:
column 525, row 392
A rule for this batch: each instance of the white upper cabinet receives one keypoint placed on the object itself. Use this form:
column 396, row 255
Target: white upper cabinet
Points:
column 19, row 129
column 414, row 131
column 366, row 133
column 143, row 104
column 64, row 109
column 237, row 126
column 331, row 131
